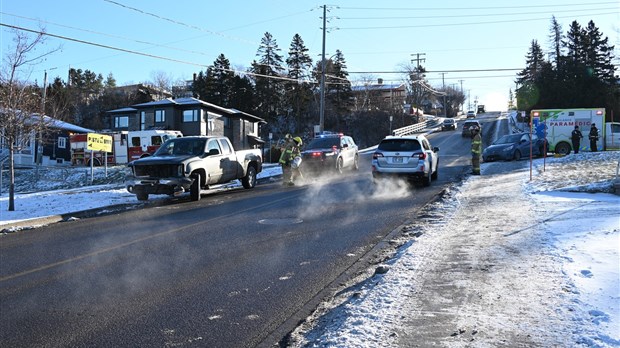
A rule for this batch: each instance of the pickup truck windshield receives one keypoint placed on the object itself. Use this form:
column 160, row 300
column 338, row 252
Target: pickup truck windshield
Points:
column 182, row 146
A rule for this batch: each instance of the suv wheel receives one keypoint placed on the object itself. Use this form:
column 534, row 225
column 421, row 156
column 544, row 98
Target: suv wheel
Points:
column 356, row 162
column 429, row 178
column 339, row 165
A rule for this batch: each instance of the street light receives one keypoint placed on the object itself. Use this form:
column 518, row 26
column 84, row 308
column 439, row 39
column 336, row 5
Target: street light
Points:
column 391, row 118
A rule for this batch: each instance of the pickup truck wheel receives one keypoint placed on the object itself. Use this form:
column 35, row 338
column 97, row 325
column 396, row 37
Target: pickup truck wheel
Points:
column 249, row 180
column 194, row 190
column 142, row 196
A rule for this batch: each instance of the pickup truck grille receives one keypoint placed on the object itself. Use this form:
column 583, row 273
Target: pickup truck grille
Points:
column 158, row 171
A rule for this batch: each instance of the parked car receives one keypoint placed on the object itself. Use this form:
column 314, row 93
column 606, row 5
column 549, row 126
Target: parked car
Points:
column 467, row 127
column 330, row 152
column 513, row 147
column 411, row 157
column 448, row 123
column 471, row 114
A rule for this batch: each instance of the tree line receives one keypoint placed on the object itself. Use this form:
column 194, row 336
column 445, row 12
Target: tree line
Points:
column 577, row 71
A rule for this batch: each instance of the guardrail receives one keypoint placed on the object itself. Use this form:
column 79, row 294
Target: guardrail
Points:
column 416, row 128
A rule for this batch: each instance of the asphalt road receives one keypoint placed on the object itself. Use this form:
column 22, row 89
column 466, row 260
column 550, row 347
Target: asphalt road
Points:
column 235, row 269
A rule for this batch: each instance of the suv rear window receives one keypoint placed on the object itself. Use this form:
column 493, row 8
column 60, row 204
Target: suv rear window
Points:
column 399, row 145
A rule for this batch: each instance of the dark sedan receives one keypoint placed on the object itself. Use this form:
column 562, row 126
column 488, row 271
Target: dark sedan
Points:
column 513, row 147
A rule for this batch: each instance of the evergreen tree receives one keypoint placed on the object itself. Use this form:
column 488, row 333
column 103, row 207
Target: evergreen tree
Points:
column 598, row 54
column 218, row 86
column 534, row 61
column 298, row 88
column 199, row 86
column 84, row 87
column 556, row 42
column 268, row 80
column 573, row 43
column 110, row 81
column 338, row 93
column 242, row 95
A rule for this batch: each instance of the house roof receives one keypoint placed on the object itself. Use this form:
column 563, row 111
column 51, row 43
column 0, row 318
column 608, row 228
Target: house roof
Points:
column 58, row 124
column 193, row 101
column 54, row 123
column 376, row 87
column 127, row 109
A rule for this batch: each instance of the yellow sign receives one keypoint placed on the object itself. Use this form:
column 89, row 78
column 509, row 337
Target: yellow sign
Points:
column 99, row 142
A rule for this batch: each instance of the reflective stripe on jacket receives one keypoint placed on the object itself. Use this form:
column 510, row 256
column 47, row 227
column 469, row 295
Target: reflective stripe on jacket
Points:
column 476, row 145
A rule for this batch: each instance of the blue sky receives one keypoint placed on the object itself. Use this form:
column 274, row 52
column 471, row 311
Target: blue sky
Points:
column 377, row 38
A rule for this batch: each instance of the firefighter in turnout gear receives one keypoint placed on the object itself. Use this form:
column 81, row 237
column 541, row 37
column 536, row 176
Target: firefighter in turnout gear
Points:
column 291, row 150
column 593, row 138
column 476, row 150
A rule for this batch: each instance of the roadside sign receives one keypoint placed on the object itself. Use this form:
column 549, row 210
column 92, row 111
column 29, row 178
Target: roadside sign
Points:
column 99, row 142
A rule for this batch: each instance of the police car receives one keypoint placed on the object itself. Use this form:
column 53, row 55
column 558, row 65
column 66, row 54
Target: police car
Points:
column 334, row 152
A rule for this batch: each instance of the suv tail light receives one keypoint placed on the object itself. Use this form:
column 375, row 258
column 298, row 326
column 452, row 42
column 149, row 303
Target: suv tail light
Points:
column 420, row 155
column 377, row 155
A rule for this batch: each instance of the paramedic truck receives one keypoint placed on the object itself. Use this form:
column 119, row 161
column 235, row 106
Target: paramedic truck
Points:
column 559, row 123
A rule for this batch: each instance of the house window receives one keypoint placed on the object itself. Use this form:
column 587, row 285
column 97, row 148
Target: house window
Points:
column 62, row 142
column 227, row 122
column 121, row 121
column 211, row 125
column 142, row 120
column 190, row 115
column 160, row 116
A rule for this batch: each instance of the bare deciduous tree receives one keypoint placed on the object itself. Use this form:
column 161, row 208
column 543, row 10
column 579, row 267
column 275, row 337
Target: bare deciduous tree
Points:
column 20, row 101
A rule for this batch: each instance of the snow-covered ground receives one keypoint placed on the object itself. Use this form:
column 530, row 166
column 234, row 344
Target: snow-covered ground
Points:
column 501, row 260
column 69, row 193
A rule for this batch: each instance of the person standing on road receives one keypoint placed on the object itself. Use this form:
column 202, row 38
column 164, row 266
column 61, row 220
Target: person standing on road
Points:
column 476, row 150
column 576, row 137
column 593, row 138
column 291, row 150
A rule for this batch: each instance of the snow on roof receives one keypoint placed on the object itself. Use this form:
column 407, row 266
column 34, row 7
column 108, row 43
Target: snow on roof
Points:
column 66, row 125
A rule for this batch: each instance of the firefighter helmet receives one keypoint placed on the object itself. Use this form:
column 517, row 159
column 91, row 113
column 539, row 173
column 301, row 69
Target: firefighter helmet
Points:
column 298, row 141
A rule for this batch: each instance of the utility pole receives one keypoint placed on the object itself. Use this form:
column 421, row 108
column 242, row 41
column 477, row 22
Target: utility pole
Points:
column 461, row 81
column 418, row 89
column 322, row 88
column 443, row 81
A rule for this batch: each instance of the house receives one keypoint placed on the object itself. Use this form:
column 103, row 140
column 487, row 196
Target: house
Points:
column 49, row 148
column 379, row 96
column 191, row 116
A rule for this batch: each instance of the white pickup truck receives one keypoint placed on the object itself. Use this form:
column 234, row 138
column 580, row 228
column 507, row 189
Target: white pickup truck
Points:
column 192, row 164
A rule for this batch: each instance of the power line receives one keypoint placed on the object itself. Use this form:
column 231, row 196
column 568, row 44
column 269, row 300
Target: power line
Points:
column 105, row 34
column 472, row 23
column 434, row 71
column 474, row 15
column 144, row 54
column 472, row 8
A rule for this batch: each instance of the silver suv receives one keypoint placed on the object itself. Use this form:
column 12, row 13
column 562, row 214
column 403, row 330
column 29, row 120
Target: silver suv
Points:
column 411, row 157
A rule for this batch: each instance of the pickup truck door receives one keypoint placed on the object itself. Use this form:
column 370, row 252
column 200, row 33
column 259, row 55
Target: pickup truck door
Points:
column 229, row 161
column 612, row 136
column 214, row 162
